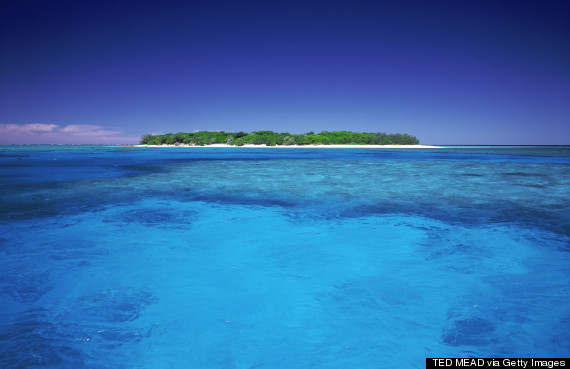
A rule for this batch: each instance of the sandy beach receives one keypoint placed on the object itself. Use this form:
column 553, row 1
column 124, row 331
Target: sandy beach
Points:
column 311, row 146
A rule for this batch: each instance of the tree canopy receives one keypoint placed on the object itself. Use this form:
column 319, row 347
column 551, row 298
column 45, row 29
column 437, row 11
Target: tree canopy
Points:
column 270, row 138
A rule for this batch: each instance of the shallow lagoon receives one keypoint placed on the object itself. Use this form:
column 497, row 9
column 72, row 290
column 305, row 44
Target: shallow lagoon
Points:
column 118, row 257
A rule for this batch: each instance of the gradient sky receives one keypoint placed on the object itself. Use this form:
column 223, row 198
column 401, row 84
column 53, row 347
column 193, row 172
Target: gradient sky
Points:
column 453, row 72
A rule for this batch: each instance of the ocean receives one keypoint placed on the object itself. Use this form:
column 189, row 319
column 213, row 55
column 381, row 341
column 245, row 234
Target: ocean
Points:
column 124, row 257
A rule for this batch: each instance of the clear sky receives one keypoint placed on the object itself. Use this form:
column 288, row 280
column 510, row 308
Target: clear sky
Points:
column 453, row 72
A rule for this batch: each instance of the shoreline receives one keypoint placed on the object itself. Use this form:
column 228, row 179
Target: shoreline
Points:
column 307, row 146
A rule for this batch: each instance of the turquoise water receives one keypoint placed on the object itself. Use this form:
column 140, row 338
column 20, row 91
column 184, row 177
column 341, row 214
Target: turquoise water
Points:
column 118, row 257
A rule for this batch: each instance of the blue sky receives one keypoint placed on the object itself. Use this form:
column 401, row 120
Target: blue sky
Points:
column 453, row 72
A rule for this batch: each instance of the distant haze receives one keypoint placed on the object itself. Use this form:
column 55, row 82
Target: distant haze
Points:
column 447, row 72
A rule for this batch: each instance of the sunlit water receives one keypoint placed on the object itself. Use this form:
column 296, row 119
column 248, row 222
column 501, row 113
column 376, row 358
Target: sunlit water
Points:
column 117, row 257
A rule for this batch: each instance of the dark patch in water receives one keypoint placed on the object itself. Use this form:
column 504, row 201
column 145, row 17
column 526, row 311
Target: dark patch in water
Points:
column 244, row 200
column 31, row 341
column 563, row 339
column 2, row 155
column 25, row 288
column 552, row 219
column 155, row 217
column 113, row 306
column 534, row 185
column 524, row 174
column 41, row 337
column 43, row 200
column 470, row 332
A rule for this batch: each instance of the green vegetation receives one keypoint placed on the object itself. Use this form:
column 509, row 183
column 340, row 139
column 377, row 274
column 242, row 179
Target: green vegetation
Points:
column 271, row 138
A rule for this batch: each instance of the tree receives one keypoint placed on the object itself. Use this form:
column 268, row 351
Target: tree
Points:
column 146, row 139
column 170, row 140
column 301, row 140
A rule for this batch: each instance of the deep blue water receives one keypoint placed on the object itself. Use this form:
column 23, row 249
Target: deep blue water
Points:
column 118, row 257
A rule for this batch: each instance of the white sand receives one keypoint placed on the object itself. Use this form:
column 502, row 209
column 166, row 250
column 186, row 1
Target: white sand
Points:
column 311, row 146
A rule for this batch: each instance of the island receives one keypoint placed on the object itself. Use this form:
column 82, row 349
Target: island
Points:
column 270, row 138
